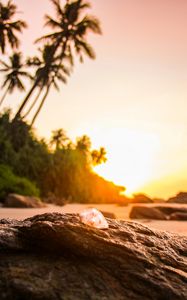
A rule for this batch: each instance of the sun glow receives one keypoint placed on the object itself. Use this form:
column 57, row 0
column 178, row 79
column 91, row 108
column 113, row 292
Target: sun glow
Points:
column 131, row 158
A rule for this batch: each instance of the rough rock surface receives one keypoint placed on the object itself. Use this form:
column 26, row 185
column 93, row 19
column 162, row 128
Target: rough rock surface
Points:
column 19, row 201
column 55, row 256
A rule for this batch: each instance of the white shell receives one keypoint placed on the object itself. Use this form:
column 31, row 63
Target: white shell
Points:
column 94, row 218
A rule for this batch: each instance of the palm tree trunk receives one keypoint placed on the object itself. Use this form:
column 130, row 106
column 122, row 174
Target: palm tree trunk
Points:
column 47, row 91
column 26, row 100
column 32, row 105
column 41, row 105
column 34, row 86
column 4, row 96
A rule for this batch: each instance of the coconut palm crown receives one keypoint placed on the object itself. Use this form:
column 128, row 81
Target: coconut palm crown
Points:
column 9, row 27
column 14, row 72
column 68, row 39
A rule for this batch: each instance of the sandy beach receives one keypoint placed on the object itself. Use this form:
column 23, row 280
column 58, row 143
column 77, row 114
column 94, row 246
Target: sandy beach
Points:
column 179, row 227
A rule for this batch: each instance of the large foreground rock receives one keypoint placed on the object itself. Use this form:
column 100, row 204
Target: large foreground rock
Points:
column 54, row 256
column 19, row 201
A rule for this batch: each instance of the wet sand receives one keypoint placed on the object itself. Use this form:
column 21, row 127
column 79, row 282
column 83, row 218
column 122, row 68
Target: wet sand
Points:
column 179, row 227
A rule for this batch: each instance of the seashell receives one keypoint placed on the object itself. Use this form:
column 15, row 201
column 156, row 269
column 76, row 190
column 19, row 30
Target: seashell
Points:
column 93, row 217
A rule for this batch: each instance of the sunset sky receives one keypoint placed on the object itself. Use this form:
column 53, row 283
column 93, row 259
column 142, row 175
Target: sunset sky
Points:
column 133, row 98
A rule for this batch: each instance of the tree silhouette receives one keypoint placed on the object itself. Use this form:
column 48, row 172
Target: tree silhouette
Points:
column 48, row 74
column 83, row 143
column 69, row 38
column 99, row 156
column 59, row 138
column 8, row 26
column 14, row 71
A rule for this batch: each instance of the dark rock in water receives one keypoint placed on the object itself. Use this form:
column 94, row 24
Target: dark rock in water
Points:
column 179, row 198
column 107, row 214
column 146, row 212
column 19, row 201
column 179, row 216
column 55, row 256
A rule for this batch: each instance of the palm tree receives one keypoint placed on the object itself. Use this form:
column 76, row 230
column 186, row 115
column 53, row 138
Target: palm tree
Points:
column 14, row 71
column 83, row 143
column 46, row 75
column 98, row 156
column 71, row 29
column 49, row 75
column 59, row 138
column 68, row 39
column 8, row 26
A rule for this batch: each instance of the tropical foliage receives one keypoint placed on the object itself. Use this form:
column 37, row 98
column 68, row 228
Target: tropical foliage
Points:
column 9, row 26
column 67, row 40
column 14, row 72
column 60, row 169
column 10, row 183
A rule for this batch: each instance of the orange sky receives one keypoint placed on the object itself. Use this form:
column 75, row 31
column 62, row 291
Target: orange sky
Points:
column 133, row 98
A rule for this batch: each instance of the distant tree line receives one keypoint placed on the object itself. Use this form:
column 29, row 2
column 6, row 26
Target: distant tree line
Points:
column 58, row 170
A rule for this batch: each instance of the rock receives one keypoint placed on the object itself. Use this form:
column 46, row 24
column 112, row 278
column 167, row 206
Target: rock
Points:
column 55, row 256
column 179, row 216
column 179, row 198
column 108, row 214
column 146, row 212
column 141, row 198
column 158, row 212
column 14, row 200
column 169, row 210
column 158, row 200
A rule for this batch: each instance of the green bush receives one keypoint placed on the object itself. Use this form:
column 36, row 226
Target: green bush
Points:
column 10, row 183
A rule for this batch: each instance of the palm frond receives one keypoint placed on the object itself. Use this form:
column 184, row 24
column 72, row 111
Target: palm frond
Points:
column 18, row 25
column 20, row 85
column 64, row 69
column 2, row 41
column 4, row 64
column 5, row 83
column 12, row 38
column 88, row 23
column 61, row 78
column 58, row 8
column 55, row 85
column 26, row 74
column 11, row 8
column 82, row 45
column 51, row 22
column 53, row 36
column 74, row 8
column 4, row 70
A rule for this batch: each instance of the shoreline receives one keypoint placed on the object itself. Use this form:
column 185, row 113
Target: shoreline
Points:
column 179, row 227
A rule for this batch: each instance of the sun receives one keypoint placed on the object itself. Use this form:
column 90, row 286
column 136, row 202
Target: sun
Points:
column 131, row 158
